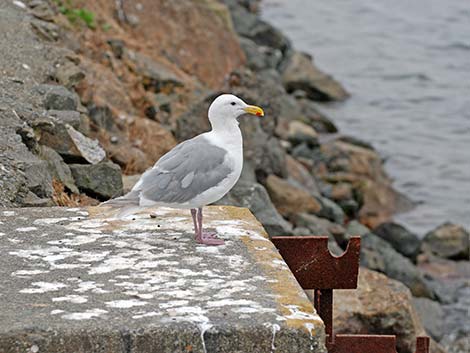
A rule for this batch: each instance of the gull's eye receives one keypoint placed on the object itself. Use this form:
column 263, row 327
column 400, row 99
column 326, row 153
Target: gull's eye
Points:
column 233, row 103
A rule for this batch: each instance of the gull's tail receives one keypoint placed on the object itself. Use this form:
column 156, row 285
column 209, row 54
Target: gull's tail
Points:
column 126, row 205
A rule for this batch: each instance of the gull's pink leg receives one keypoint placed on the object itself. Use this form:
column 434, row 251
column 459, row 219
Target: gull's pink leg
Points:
column 206, row 238
column 193, row 213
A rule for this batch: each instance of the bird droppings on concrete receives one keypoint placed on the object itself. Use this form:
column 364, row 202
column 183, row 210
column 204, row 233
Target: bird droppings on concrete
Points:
column 97, row 269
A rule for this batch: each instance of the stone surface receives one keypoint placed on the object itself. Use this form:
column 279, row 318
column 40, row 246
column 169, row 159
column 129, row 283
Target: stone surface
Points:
column 290, row 199
column 378, row 255
column 301, row 74
column 405, row 242
column 57, row 167
column 76, row 280
column 299, row 174
column 379, row 306
column 448, row 241
column 102, row 180
column 58, row 97
column 431, row 315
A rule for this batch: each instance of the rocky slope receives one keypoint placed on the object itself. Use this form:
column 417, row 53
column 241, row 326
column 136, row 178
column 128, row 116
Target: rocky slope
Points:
column 97, row 91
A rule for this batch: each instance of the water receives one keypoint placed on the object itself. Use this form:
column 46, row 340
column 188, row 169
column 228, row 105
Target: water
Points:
column 407, row 66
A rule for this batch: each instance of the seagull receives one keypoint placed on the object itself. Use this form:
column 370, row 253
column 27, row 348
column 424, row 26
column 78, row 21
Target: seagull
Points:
column 198, row 171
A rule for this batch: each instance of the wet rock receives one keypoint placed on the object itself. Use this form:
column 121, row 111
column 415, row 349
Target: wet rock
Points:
column 102, row 180
column 58, row 97
column 260, row 57
column 58, row 169
column 312, row 116
column 255, row 197
column 378, row 255
column 382, row 306
column 299, row 175
column 290, row 199
column 431, row 315
column 68, row 74
column 403, row 241
column 248, row 25
column 449, row 241
column 301, row 74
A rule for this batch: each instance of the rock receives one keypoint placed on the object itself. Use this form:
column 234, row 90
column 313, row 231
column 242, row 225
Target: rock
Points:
column 58, row 169
column 58, row 97
column 331, row 210
column 318, row 226
column 102, row 117
column 248, row 25
column 68, row 74
column 255, row 197
column 382, row 306
column 38, row 177
column 448, row 241
column 299, row 175
column 342, row 191
column 299, row 132
column 87, row 148
column 363, row 168
column 431, row 315
column 260, row 57
column 402, row 240
column 301, row 74
column 70, row 117
column 117, row 46
column 356, row 141
column 378, row 255
column 155, row 76
column 151, row 138
column 312, row 116
column 130, row 158
column 102, row 180
column 290, row 199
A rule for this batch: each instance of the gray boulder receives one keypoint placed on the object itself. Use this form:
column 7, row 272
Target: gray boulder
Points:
column 301, row 74
column 58, row 97
column 448, row 241
column 102, row 180
column 378, row 255
column 431, row 315
column 57, row 167
column 402, row 240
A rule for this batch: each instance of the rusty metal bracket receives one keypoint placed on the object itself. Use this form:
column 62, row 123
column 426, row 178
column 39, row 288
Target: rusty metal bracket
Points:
column 315, row 268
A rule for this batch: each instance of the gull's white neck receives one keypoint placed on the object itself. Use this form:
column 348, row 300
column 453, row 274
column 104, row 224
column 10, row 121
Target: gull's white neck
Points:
column 226, row 132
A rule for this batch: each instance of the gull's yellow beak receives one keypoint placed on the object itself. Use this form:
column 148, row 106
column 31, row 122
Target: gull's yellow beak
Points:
column 253, row 109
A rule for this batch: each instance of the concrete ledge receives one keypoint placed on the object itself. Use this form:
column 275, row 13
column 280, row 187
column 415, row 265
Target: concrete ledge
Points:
column 75, row 280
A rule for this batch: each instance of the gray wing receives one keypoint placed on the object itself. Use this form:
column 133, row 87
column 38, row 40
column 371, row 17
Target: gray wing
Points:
column 186, row 171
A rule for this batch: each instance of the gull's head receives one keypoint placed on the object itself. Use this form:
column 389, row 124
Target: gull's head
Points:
column 226, row 108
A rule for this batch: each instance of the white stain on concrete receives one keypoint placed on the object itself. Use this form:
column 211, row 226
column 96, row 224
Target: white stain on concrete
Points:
column 8, row 213
column 26, row 229
column 85, row 315
column 42, row 287
column 125, row 304
column 71, row 298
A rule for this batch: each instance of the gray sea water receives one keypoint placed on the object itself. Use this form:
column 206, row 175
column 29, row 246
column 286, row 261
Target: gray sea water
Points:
column 407, row 67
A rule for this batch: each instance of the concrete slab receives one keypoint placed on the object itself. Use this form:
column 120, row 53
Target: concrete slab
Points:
column 76, row 280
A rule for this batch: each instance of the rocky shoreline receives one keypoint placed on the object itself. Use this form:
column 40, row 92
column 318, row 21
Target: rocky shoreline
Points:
column 97, row 93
